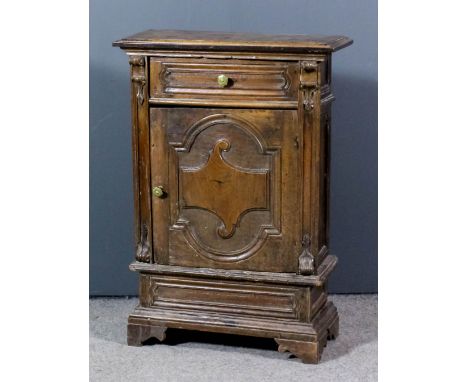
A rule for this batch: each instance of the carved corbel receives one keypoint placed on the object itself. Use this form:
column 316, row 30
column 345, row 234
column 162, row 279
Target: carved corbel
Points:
column 308, row 83
column 141, row 81
column 136, row 60
column 306, row 259
column 138, row 76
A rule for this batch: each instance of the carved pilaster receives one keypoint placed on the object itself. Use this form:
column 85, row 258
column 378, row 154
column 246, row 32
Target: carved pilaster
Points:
column 141, row 159
column 310, row 98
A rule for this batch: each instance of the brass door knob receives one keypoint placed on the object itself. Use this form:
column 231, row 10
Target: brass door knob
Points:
column 223, row 80
column 158, row 191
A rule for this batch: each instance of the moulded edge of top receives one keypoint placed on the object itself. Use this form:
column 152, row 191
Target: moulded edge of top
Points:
column 223, row 41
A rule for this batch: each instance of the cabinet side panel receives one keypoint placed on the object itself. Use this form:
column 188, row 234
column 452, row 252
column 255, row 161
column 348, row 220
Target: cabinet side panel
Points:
column 324, row 214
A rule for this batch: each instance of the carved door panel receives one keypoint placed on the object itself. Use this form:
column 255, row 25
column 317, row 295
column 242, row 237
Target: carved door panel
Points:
column 231, row 181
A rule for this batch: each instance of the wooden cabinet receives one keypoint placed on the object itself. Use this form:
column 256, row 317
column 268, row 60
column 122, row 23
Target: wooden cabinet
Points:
column 231, row 183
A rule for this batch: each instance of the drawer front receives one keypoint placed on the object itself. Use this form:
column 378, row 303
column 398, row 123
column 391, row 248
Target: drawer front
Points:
column 180, row 293
column 199, row 79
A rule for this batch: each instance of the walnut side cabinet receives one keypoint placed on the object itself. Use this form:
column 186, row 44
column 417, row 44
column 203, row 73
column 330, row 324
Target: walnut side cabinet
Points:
column 231, row 152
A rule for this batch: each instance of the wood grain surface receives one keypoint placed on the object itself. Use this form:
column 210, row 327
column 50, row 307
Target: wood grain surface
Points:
column 231, row 184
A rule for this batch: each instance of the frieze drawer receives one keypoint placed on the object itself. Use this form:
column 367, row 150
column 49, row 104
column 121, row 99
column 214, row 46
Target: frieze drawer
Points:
column 186, row 81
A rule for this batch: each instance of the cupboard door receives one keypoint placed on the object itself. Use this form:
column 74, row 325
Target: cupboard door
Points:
column 231, row 188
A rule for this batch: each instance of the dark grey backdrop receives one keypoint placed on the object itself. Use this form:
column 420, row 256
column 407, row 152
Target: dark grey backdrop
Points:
column 354, row 135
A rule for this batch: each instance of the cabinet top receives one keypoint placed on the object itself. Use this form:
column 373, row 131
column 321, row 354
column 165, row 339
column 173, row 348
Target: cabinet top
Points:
column 202, row 40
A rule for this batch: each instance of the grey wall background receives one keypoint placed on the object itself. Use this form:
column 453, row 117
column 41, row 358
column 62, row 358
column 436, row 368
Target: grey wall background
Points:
column 354, row 135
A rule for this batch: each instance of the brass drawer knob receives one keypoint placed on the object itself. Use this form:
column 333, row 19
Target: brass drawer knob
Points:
column 223, row 80
column 158, row 191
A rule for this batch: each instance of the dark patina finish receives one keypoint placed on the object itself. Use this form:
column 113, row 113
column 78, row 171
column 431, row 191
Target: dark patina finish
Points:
column 231, row 137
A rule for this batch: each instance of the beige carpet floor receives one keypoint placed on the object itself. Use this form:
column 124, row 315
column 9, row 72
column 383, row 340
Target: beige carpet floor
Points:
column 195, row 356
